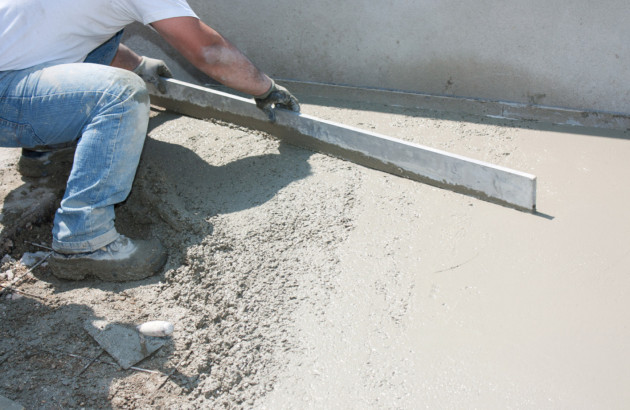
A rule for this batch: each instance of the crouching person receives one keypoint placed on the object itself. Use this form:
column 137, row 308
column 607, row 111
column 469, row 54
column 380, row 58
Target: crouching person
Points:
column 65, row 80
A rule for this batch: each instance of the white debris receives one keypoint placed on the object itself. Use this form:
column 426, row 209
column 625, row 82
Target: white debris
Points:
column 158, row 328
column 8, row 275
column 30, row 259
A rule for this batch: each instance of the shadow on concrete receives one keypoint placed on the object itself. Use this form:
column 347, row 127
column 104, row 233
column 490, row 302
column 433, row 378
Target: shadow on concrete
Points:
column 461, row 117
column 173, row 171
column 30, row 204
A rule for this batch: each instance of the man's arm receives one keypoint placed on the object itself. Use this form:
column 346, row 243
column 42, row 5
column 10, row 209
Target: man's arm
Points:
column 207, row 50
column 126, row 58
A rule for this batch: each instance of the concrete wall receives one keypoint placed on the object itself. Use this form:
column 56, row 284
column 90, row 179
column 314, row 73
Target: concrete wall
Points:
column 558, row 53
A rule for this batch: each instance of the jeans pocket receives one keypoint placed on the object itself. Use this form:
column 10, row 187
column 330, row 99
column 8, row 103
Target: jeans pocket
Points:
column 15, row 135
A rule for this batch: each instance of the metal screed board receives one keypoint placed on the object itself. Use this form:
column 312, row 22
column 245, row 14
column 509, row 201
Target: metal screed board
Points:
column 439, row 168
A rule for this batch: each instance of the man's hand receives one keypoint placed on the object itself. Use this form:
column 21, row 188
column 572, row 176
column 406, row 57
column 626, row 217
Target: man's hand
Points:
column 276, row 97
column 152, row 70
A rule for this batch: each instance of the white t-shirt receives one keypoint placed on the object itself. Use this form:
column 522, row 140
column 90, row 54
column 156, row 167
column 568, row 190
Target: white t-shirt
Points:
column 33, row 32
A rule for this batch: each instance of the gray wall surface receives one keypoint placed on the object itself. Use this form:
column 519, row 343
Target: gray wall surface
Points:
column 557, row 53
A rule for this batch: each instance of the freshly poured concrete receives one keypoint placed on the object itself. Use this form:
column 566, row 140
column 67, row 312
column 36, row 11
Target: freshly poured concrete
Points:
column 449, row 302
column 297, row 280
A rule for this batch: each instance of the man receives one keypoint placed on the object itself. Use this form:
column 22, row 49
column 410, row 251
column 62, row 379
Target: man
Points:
column 65, row 78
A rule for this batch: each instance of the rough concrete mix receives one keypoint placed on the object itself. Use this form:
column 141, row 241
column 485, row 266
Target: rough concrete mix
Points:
column 297, row 280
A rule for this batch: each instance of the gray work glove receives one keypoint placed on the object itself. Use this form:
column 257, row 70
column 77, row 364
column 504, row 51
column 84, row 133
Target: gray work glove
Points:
column 276, row 97
column 152, row 70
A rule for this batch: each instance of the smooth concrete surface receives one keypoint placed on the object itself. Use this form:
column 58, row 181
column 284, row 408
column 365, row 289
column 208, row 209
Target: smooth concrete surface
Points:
column 444, row 302
column 560, row 54
column 421, row 163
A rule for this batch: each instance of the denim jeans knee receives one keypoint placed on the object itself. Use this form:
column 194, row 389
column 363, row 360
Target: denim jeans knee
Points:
column 108, row 109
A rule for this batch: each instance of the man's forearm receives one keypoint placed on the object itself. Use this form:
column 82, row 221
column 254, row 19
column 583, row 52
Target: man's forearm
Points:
column 125, row 58
column 227, row 65
column 210, row 52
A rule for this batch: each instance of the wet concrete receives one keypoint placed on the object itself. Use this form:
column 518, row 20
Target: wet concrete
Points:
column 298, row 280
column 450, row 302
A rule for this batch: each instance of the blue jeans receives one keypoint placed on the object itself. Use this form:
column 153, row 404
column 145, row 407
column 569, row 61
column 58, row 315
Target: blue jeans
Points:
column 106, row 111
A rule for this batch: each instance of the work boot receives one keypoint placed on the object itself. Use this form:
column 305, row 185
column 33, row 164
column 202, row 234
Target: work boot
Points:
column 121, row 261
column 39, row 164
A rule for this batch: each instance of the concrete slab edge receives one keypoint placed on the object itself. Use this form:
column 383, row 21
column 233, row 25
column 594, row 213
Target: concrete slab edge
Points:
column 435, row 167
column 463, row 105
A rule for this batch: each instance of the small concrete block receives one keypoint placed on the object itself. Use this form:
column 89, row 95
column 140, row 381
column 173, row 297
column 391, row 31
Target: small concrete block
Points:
column 122, row 342
column 7, row 404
